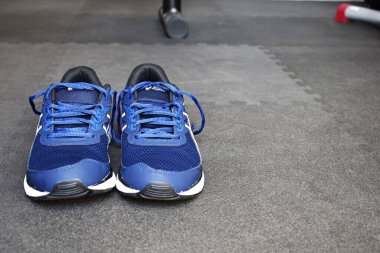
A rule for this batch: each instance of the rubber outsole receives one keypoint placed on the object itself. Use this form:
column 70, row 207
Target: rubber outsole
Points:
column 70, row 189
column 160, row 191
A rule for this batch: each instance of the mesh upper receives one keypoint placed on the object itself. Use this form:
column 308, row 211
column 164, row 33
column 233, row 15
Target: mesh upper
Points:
column 44, row 157
column 169, row 158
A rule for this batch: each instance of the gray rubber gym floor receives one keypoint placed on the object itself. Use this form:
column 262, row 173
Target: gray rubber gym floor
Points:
column 291, row 148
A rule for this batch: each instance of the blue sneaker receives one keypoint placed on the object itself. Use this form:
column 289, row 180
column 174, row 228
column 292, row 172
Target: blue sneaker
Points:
column 160, row 157
column 69, row 156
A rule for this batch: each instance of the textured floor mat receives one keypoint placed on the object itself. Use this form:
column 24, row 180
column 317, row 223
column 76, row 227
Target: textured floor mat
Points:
column 282, row 174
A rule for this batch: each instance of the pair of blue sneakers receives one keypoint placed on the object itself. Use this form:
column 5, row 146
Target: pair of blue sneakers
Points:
column 69, row 157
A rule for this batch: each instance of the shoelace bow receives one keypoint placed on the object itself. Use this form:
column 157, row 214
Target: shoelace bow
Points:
column 162, row 116
column 59, row 113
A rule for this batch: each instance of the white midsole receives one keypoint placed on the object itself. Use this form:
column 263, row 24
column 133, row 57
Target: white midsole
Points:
column 195, row 189
column 192, row 191
column 108, row 184
column 31, row 192
column 121, row 187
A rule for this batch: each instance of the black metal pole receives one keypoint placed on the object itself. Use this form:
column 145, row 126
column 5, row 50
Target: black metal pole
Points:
column 172, row 20
column 167, row 5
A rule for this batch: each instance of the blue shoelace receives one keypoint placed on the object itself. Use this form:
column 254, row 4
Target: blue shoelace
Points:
column 164, row 117
column 59, row 115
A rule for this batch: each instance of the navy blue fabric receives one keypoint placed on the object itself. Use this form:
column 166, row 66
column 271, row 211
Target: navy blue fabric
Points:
column 77, row 96
column 169, row 158
column 153, row 95
column 44, row 157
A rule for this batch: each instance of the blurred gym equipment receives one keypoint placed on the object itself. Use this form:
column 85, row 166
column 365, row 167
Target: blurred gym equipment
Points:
column 174, row 23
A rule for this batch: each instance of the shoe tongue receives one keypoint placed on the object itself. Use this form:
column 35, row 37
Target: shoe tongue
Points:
column 156, row 96
column 76, row 96
column 153, row 94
